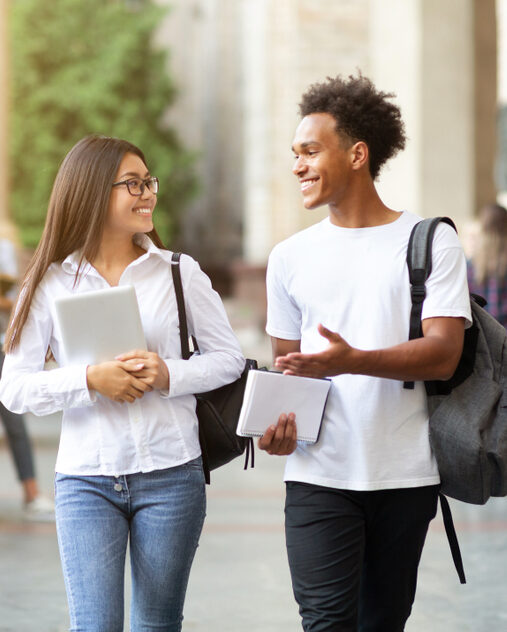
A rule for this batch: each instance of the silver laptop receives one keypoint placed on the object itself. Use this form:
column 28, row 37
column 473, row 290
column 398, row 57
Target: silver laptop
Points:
column 97, row 326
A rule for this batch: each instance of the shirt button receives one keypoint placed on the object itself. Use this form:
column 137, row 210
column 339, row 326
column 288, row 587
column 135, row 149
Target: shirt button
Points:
column 118, row 487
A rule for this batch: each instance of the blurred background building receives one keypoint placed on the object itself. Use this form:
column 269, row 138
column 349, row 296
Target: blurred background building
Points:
column 240, row 67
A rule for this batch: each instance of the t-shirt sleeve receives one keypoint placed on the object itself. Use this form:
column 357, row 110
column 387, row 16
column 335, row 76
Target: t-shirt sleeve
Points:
column 284, row 316
column 447, row 288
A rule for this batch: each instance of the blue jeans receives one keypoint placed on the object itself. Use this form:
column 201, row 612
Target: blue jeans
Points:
column 162, row 512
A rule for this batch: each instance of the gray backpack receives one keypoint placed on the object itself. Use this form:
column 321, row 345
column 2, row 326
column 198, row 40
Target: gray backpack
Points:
column 468, row 413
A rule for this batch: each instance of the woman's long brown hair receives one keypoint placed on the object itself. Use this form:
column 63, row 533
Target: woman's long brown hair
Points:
column 76, row 215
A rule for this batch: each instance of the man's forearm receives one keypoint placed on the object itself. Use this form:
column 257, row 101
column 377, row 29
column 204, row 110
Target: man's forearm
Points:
column 421, row 359
column 435, row 356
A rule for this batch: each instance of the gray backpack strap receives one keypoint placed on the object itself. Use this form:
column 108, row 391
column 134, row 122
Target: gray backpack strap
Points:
column 419, row 262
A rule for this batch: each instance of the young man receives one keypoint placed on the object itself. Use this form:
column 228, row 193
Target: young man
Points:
column 359, row 501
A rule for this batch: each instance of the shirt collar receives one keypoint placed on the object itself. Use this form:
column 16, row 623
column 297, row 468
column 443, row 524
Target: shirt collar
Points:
column 71, row 263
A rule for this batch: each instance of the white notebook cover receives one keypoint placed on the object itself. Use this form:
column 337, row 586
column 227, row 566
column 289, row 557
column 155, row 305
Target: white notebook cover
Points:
column 269, row 394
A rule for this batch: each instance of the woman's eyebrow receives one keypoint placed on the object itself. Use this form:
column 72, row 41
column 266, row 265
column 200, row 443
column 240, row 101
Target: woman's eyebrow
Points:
column 135, row 174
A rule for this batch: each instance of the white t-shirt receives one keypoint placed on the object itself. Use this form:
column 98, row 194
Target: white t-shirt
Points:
column 355, row 282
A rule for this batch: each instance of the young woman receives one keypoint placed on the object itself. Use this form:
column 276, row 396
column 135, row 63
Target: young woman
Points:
column 129, row 462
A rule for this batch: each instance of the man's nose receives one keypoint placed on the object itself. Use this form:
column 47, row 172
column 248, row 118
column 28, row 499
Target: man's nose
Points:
column 299, row 166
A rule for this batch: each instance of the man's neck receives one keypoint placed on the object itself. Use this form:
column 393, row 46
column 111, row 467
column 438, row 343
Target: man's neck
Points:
column 362, row 208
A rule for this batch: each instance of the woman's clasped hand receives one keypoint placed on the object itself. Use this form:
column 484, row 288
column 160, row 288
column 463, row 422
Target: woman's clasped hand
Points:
column 129, row 376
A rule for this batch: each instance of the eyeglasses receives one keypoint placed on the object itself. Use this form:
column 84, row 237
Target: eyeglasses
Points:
column 136, row 186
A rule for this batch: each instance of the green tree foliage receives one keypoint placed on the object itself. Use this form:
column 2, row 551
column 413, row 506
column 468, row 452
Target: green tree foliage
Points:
column 88, row 66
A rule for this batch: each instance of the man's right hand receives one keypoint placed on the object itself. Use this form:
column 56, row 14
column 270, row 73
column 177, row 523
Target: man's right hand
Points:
column 282, row 438
column 115, row 380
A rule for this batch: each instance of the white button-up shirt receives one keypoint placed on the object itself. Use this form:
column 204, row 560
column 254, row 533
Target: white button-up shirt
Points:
column 103, row 437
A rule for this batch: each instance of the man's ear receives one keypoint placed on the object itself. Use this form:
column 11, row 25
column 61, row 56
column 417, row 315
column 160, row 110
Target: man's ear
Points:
column 360, row 155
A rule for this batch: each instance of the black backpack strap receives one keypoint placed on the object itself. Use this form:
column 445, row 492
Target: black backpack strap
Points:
column 419, row 262
column 185, row 347
column 452, row 538
column 182, row 313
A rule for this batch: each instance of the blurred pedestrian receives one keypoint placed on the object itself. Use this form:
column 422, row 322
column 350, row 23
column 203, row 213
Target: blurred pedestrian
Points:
column 36, row 506
column 487, row 266
column 124, row 473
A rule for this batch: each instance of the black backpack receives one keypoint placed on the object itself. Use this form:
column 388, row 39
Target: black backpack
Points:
column 467, row 413
column 217, row 410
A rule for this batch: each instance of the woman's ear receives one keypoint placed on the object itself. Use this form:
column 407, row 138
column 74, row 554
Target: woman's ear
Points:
column 360, row 155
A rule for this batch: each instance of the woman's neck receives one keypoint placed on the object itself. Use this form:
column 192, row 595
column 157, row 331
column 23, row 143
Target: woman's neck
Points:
column 113, row 256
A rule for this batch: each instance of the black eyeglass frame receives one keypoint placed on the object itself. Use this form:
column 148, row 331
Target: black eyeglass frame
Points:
column 144, row 183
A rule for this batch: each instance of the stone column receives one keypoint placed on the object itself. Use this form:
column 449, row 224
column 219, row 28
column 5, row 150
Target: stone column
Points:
column 439, row 57
column 395, row 66
column 448, row 155
column 203, row 37
column 287, row 45
column 257, row 166
column 486, row 101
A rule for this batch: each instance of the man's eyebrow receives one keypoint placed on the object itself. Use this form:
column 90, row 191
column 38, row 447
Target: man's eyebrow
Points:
column 306, row 144
column 135, row 174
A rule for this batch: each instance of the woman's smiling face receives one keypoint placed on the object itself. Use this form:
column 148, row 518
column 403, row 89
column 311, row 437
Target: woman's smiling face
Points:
column 128, row 213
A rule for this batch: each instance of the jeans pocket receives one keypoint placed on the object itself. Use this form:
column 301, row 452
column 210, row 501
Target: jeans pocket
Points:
column 194, row 464
column 194, row 473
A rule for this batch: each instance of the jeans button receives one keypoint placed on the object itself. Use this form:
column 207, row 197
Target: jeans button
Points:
column 118, row 487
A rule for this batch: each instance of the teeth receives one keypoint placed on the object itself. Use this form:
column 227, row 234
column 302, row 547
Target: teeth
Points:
column 307, row 183
column 143, row 211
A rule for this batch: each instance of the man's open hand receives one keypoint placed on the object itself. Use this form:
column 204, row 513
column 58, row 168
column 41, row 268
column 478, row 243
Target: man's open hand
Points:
column 334, row 360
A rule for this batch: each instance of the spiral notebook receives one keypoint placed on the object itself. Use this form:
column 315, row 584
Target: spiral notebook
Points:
column 268, row 394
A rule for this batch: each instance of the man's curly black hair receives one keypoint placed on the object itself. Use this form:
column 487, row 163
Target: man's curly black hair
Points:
column 362, row 113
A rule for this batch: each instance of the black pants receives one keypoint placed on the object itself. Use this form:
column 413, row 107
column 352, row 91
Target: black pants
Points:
column 353, row 556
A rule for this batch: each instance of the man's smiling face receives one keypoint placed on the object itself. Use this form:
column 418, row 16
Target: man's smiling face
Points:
column 322, row 161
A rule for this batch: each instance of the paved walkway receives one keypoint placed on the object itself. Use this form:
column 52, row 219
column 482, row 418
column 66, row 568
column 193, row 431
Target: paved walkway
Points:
column 240, row 580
